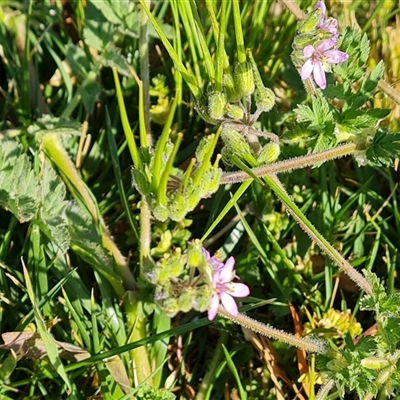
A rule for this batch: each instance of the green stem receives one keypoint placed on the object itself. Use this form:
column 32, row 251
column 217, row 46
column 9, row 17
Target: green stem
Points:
column 239, row 32
column 293, row 163
column 323, row 244
column 221, row 49
column 125, row 123
column 137, row 322
column 145, row 76
column 54, row 149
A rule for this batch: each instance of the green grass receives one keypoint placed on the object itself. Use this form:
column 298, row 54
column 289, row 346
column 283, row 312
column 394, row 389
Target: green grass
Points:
column 77, row 235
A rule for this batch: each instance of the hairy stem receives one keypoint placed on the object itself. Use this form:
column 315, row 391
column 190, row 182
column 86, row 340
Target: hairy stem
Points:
column 276, row 185
column 293, row 163
column 311, row 345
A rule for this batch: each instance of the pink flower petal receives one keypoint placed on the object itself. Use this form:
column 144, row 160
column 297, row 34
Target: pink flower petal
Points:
column 226, row 273
column 327, row 44
column 308, row 51
column 307, row 69
column 319, row 75
column 336, row 56
column 321, row 5
column 239, row 290
column 213, row 309
column 229, row 304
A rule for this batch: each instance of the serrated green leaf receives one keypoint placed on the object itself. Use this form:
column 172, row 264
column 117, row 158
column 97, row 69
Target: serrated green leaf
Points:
column 384, row 148
column 112, row 57
column 18, row 184
column 371, row 81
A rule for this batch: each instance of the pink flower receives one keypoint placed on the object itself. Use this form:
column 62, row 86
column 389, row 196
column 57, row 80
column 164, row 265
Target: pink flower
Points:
column 225, row 290
column 319, row 60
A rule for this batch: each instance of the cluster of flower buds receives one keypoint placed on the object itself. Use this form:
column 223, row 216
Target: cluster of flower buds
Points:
column 315, row 46
column 171, row 192
column 231, row 107
column 194, row 280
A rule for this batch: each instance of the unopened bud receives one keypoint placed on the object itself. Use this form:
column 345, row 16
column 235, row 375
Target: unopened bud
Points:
column 232, row 94
column 170, row 307
column 203, row 298
column 185, row 301
column 195, row 254
column 178, row 207
column 235, row 142
column 310, row 22
column 233, row 111
column 264, row 98
column 216, row 105
column 204, row 146
column 243, row 78
column 269, row 154
column 303, row 40
column 214, row 175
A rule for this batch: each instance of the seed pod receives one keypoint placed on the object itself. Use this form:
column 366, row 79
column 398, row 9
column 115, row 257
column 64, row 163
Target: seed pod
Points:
column 310, row 22
column 232, row 94
column 269, row 154
column 264, row 98
column 203, row 147
column 233, row 111
column 216, row 105
column 178, row 207
column 235, row 142
column 243, row 78
column 195, row 254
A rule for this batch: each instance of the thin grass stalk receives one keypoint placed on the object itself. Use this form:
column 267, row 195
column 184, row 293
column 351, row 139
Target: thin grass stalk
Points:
column 276, row 185
column 212, row 365
column 187, row 76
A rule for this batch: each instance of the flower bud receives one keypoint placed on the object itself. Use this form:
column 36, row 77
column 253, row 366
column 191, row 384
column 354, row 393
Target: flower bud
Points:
column 233, row 111
column 235, row 142
column 269, row 154
column 203, row 298
column 140, row 182
column 214, row 176
column 204, row 146
column 216, row 105
column 243, row 78
column 170, row 307
column 303, row 40
column 178, row 208
column 232, row 94
column 186, row 299
column 195, row 254
column 310, row 22
column 176, row 264
column 264, row 98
